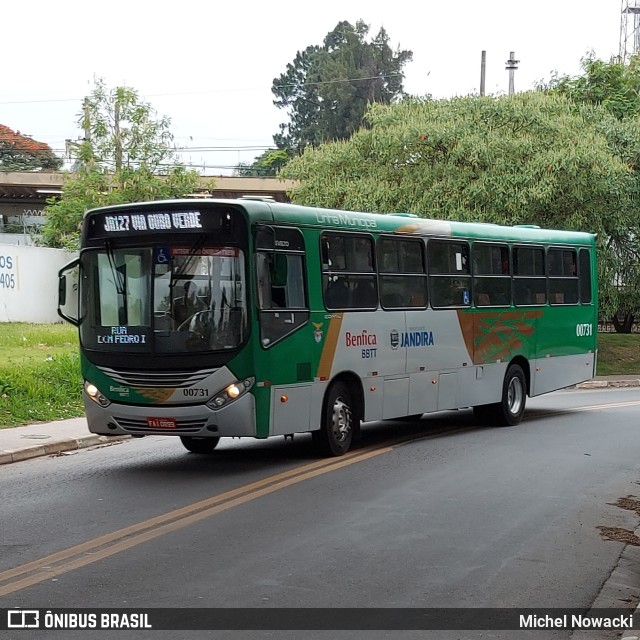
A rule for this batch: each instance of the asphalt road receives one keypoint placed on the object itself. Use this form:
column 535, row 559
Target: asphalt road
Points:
column 436, row 513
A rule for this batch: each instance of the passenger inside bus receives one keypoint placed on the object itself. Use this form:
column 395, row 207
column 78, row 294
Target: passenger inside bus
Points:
column 364, row 294
column 186, row 305
column 337, row 294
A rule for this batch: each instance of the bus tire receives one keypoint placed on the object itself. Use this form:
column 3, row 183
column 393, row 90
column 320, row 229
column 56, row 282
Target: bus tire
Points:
column 509, row 410
column 340, row 424
column 199, row 445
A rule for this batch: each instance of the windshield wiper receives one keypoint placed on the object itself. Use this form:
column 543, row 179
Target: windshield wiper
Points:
column 118, row 277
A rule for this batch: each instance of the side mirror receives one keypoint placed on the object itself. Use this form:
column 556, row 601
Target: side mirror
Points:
column 69, row 292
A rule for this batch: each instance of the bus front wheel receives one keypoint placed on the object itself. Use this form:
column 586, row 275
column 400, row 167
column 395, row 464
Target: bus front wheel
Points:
column 339, row 423
column 509, row 410
column 199, row 445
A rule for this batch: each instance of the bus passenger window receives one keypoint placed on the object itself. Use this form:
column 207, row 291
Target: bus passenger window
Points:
column 449, row 277
column 348, row 271
column 563, row 276
column 492, row 279
column 403, row 279
column 530, row 283
column 585, row 276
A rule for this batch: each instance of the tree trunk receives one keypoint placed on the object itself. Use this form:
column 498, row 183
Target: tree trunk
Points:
column 623, row 322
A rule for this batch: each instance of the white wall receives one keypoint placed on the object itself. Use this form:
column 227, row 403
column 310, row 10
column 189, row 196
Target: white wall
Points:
column 29, row 283
column 16, row 238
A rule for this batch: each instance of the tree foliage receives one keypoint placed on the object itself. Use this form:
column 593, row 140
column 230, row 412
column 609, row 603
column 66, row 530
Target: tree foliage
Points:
column 616, row 88
column 22, row 153
column 613, row 85
column 127, row 158
column 529, row 158
column 266, row 164
column 326, row 89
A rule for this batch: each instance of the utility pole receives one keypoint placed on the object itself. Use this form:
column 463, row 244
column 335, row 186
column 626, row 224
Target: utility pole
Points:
column 483, row 70
column 116, row 135
column 86, row 120
column 512, row 66
column 82, row 149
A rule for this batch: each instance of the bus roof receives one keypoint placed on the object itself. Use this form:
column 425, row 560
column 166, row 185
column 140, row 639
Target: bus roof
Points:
column 258, row 209
column 412, row 224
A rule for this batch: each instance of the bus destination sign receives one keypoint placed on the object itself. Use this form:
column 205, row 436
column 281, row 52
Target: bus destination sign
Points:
column 125, row 223
column 156, row 221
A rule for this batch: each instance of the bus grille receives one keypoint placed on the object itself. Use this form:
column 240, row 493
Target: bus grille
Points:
column 139, row 426
column 157, row 379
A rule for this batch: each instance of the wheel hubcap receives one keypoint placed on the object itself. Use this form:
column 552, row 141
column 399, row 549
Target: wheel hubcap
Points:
column 341, row 424
column 515, row 395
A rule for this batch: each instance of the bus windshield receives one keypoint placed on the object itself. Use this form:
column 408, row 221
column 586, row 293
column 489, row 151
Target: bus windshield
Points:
column 167, row 299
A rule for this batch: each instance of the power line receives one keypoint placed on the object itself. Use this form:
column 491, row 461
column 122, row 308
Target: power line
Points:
column 195, row 93
column 171, row 149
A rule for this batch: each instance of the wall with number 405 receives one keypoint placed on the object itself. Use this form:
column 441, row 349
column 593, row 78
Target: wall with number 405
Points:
column 29, row 283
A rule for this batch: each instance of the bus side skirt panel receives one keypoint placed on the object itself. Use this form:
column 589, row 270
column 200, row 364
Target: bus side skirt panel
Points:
column 549, row 374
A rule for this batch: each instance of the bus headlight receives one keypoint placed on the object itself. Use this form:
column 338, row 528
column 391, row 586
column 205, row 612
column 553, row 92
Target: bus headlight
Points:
column 94, row 393
column 231, row 393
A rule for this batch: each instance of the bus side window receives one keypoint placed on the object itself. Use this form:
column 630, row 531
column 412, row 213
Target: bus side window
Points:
column 348, row 271
column 492, row 278
column 449, row 275
column 402, row 277
column 530, row 283
column 280, row 281
column 563, row 275
column 264, row 280
column 585, row 276
column 281, row 285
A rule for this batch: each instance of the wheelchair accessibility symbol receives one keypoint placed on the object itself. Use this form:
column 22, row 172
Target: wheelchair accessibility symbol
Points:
column 162, row 255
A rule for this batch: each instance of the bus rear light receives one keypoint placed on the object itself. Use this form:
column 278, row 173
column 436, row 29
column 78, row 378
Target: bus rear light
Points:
column 230, row 393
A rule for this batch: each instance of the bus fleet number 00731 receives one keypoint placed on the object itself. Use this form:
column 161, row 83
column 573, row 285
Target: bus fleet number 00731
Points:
column 583, row 330
column 198, row 392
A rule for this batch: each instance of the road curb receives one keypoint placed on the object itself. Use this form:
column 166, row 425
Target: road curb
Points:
column 601, row 384
column 633, row 634
column 7, row 456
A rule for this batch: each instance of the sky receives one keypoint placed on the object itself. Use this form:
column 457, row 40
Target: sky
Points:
column 209, row 66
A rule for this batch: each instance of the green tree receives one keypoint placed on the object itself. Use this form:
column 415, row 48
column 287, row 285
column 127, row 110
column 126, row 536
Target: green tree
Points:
column 616, row 88
column 613, row 85
column 326, row 89
column 529, row 158
column 127, row 158
column 22, row 153
column 266, row 164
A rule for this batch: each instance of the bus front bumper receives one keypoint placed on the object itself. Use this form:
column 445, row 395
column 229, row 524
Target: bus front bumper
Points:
column 237, row 419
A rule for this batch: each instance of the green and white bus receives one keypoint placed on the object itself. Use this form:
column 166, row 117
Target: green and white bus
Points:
column 250, row 318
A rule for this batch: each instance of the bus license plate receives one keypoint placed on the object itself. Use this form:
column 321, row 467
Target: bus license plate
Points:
column 161, row 423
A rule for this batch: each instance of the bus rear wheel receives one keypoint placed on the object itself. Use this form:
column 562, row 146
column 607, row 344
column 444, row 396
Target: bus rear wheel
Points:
column 340, row 425
column 509, row 410
column 199, row 445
